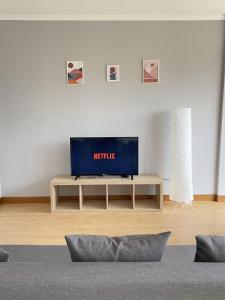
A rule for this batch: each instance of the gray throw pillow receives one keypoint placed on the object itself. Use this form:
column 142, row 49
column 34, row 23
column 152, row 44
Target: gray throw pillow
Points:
column 210, row 248
column 146, row 247
column 149, row 247
column 4, row 256
column 91, row 248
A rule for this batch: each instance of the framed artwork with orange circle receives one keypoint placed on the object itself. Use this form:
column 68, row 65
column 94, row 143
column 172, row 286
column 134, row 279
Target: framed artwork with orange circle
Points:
column 75, row 72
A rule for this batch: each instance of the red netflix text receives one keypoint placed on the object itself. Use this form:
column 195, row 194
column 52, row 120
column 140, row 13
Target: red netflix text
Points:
column 104, row 155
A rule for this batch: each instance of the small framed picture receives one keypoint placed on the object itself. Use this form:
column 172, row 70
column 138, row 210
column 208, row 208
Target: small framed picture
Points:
column 75, row 72
column 151, row 71
column 113, row 73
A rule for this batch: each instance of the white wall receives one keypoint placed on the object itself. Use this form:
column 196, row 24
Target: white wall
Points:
column 115, row 8
column 39, row 112
column 221, row 150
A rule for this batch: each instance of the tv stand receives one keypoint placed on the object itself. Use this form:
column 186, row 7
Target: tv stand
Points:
column 134, row 200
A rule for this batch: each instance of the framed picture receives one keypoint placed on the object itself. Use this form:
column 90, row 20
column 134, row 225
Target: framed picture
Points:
column 151, row 71
column 75, row 73
column 113, row 73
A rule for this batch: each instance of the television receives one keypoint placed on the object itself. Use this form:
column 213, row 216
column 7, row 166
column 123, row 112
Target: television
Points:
column 104, row 156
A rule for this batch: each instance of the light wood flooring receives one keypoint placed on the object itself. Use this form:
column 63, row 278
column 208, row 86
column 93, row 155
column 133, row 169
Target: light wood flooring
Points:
column 33, row 224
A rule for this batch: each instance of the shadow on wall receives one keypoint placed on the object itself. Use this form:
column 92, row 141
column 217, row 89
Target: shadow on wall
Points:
column 48, row 160
column 158, row 143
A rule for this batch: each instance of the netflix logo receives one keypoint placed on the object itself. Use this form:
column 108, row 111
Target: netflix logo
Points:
column 106, row 155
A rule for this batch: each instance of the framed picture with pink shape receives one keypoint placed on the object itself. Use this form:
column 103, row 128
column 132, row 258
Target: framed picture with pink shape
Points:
column 151, row 71
column 75, row 72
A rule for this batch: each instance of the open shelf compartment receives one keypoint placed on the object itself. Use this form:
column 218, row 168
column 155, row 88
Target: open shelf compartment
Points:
column 120, row 196
column 88, row 201
column 68, row 198
column 147, row 196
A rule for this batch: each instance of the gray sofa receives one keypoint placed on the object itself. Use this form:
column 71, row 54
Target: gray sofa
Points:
column 45, row 273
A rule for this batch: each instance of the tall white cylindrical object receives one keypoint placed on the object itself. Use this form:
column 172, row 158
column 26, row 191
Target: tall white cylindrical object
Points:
column 181, row 186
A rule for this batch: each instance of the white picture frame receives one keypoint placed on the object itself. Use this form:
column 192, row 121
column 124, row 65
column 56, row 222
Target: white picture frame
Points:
column 150, row 69
column 75, row 72
column 113, row 73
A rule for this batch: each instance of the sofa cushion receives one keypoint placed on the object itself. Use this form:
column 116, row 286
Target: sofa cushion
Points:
column 210, row 248
column 4, row 255
column 112, row 281
column 60, row 253
column 124, row 248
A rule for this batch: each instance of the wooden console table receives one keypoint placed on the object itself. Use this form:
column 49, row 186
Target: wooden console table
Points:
column 135, row 200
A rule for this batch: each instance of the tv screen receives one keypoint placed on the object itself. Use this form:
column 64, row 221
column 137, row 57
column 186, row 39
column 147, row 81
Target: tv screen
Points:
column 104, row 156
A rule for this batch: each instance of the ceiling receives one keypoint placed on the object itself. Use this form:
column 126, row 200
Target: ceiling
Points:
column 112, row 9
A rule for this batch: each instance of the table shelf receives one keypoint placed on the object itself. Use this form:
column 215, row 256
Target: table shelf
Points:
column 131, row 198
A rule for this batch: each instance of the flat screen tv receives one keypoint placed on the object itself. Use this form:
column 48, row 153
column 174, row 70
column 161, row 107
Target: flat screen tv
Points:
column 104, row 156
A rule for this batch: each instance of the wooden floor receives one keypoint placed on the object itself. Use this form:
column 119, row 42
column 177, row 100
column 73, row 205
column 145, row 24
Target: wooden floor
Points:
column 33, row 224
